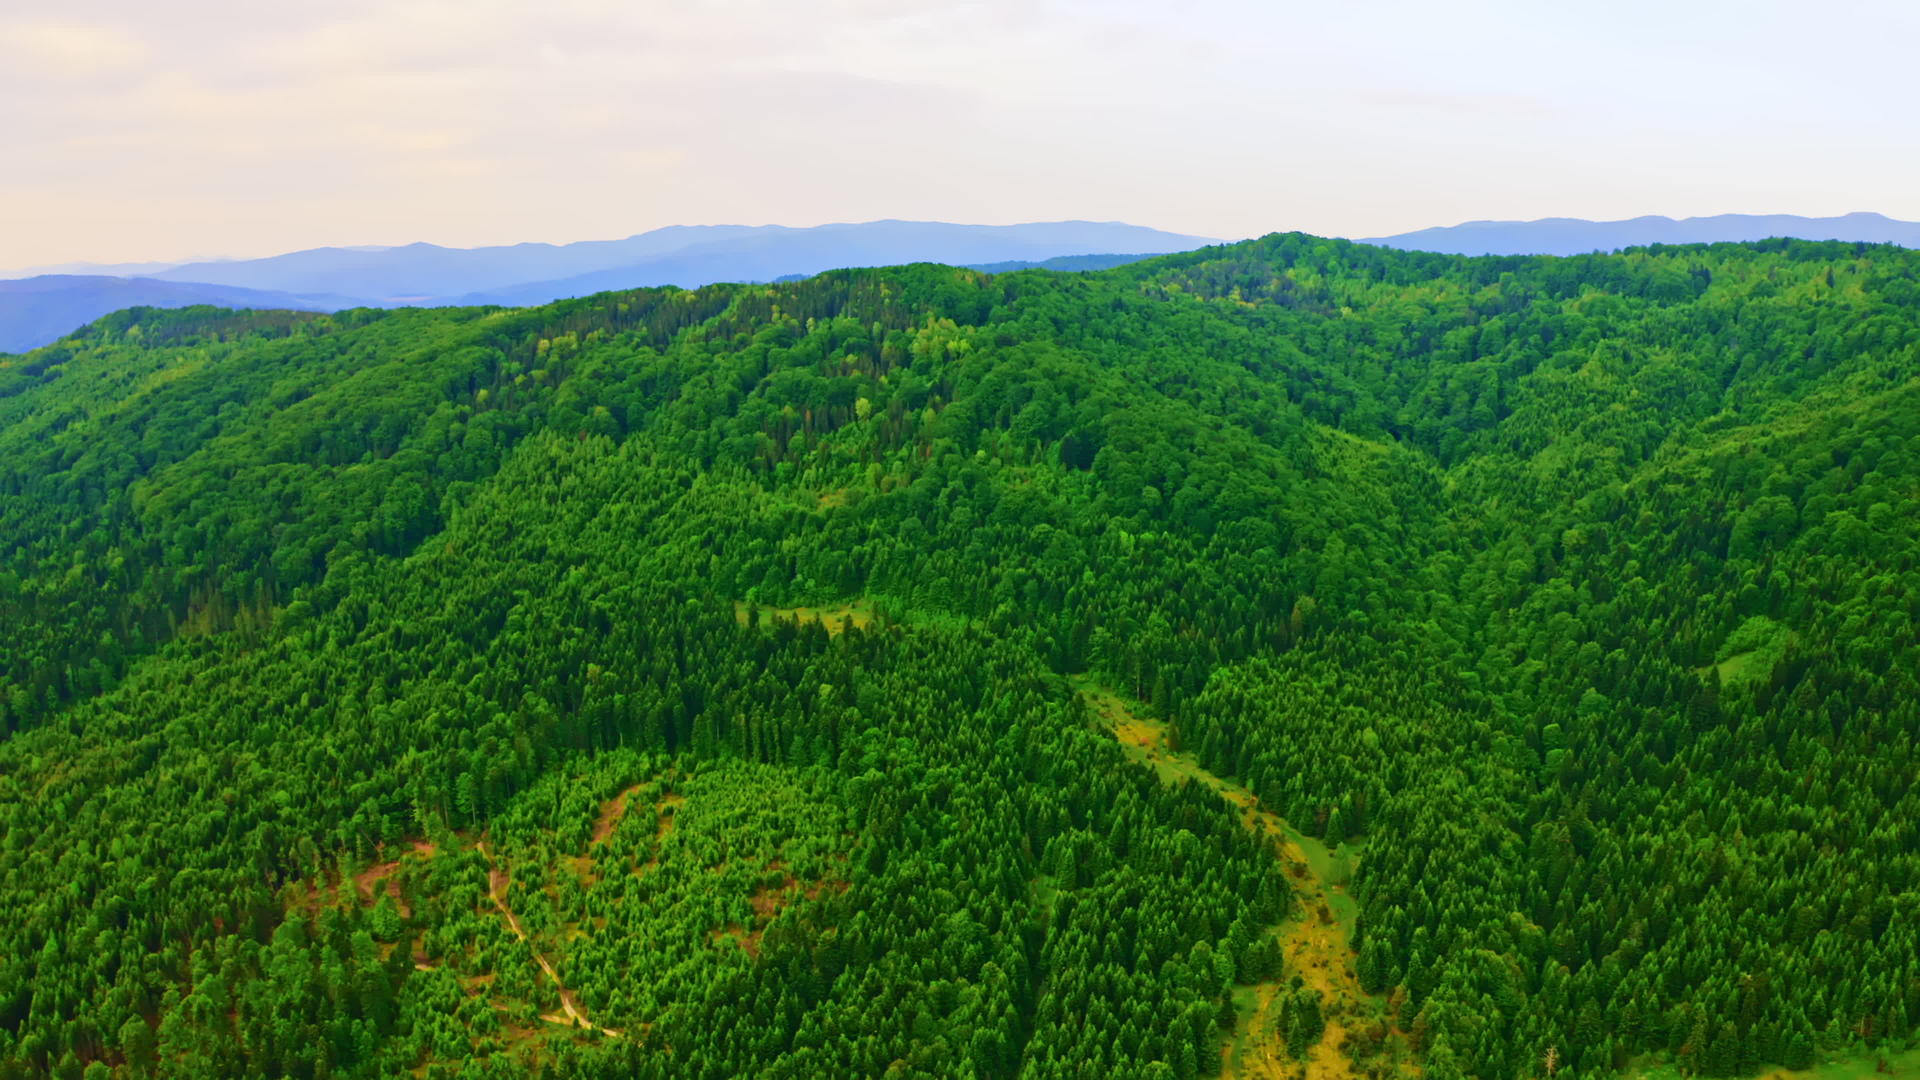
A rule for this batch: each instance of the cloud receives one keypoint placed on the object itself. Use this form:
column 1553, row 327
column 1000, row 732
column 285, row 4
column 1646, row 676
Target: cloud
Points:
column 1452, row 102
column 136, row 129
column 67, row 49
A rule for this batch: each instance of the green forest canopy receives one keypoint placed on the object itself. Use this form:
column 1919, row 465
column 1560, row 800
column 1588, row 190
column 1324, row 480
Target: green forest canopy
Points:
column 1576, row 595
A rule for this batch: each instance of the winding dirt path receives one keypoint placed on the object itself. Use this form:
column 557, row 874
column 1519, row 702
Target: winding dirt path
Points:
column 1314, row 942
column 572, row 1016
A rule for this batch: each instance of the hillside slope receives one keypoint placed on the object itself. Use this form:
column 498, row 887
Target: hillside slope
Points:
column 756, row 649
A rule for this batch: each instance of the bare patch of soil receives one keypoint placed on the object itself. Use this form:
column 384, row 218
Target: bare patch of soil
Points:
column 366, row 879
column 570, row 1014
column 666, row 808
column 611, row 814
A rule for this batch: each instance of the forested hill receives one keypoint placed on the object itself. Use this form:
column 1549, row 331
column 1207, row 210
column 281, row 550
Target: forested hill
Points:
column 395, row 691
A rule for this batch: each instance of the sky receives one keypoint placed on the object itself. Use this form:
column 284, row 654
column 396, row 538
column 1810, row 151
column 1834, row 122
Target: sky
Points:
column 135, row 130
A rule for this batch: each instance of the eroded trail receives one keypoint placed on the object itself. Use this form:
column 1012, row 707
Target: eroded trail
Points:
column 1312, row 939
column 569, row 1002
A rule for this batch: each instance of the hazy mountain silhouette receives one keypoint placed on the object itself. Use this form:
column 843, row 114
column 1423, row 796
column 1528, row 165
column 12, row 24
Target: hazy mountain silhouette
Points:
column 415, row 273
column 37, row 310
column 685, row 255
column 1062, row 263
column 92, row 269
column 1577, row 236
column 1066, row 263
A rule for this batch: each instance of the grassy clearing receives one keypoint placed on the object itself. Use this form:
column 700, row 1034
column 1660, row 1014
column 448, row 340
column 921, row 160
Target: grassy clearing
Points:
column 1751, row 652
column 859, row 612
column 1314, row 939
column 864, row 612
column 1738, row 667
column 1251, row 1050
column 1144, row 738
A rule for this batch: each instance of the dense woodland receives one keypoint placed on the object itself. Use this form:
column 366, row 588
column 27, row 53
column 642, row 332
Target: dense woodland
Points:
column 357, row 667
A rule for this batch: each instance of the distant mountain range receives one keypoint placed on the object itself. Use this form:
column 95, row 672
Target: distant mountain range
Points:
column 93, row 269
column 685, row 255
column 1063, row 263
column 37, row 310
column 1059, row 264
column 1576, row 236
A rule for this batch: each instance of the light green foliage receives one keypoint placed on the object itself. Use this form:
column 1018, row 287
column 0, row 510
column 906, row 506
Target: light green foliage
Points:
column 1570, row 600
column 1752, row 651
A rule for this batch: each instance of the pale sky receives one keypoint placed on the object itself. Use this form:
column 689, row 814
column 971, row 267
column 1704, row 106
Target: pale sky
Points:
column 136, row 129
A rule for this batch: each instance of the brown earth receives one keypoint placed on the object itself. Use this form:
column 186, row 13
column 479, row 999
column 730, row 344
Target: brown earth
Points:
column 611, row 814
column 570, row 1014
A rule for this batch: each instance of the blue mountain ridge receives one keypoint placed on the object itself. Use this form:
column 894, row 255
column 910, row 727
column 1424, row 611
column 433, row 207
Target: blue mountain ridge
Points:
column 1577, row 236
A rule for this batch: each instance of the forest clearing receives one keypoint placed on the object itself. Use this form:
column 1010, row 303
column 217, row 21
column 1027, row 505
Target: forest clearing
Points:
column 835, row 617
column 1313, row 937
column 497, row 882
